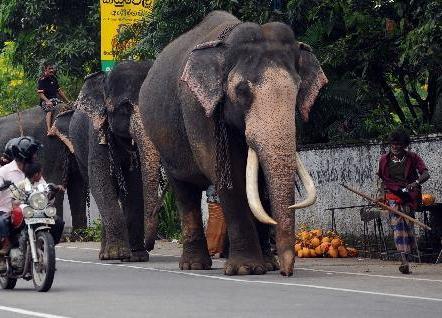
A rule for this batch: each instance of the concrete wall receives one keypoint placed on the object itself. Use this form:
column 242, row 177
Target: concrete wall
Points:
column 356, row 166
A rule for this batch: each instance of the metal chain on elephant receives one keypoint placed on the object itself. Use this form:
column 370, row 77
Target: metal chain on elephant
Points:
column 114, row 164
column 223, row 165
column 227, row 31
column 66, row 165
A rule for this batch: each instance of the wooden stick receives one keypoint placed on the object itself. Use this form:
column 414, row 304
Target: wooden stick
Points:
column 389, row 208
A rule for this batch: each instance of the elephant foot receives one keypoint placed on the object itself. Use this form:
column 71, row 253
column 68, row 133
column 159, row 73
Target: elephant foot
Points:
column 244, row 267
column 271, row 262
column 195, row 255
column 195, row 262
column 114, row 252
column 149, row 243
column 137, row 256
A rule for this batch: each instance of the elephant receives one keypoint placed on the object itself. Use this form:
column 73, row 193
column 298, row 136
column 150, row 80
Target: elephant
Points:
column 125, row 193
column 53, row 159
column 219, row 104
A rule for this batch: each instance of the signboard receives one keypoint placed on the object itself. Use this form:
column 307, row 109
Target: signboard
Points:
column 115, row 15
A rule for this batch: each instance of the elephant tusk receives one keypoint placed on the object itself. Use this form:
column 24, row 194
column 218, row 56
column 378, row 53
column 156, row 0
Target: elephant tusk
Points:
column 309, row 186
column 252, row 189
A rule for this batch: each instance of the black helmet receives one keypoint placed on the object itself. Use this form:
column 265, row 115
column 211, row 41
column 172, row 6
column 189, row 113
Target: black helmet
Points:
column 24, row 148
column 8, row 148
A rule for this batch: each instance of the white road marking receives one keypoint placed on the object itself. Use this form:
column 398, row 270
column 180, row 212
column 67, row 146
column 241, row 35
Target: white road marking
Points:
column 328, row 272
column 153, row 254
column 224, row 278
column 29, row 313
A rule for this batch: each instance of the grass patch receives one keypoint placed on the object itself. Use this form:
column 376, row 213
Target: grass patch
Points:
column 88, row 234
column 169, row 225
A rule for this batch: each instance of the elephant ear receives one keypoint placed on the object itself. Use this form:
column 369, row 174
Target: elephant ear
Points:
column 203, row 74
column 91, row 101
column 312, row 79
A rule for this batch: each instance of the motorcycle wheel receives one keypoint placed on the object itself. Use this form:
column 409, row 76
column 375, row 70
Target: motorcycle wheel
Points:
column 43, row 271
column 8, row 283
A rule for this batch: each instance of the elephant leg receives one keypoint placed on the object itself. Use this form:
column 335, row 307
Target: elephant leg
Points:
column 133, row 210
column 77, row 195
column 245, row 255
column 195, row 253
column 59, row 197
column 102, row 189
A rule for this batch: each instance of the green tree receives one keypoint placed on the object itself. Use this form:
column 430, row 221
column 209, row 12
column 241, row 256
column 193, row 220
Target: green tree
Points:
column 66, row 32
column 382, row 57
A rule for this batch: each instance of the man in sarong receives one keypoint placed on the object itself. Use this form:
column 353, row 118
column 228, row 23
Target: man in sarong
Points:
column 402, row 173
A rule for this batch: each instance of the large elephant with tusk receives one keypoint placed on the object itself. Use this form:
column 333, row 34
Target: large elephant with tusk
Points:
column 219, row 105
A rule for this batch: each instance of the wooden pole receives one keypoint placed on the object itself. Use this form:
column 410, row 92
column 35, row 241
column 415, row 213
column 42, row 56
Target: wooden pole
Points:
column 389, row 208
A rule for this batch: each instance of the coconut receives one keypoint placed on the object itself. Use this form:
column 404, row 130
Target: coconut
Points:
column 336, row 242
column 342, row 251
column 333, row 252
column 319, row 251
column 315, row 242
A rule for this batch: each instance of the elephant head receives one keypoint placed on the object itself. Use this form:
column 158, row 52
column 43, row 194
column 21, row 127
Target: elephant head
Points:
column 121, row 88
column 258, row 75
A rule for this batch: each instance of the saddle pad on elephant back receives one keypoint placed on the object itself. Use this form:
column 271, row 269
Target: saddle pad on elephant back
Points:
column 216, row 229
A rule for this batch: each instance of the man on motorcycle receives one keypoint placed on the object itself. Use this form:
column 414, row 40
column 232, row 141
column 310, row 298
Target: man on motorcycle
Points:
column 48, row 89
column 24, row 152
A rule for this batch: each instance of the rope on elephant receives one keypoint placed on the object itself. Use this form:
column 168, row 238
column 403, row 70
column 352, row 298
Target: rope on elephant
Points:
column 223, row 166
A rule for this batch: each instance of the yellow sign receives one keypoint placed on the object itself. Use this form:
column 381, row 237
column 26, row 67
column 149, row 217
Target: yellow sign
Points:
column 115, row 15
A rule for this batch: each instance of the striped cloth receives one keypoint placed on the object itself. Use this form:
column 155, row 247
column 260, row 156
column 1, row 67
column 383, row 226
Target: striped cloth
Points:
column 403, row 230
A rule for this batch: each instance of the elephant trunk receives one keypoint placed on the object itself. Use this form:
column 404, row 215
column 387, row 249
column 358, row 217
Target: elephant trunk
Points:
column 279, row 167
column 270, row 132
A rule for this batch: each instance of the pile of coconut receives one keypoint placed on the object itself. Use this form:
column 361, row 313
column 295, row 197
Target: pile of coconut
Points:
column 315, row 243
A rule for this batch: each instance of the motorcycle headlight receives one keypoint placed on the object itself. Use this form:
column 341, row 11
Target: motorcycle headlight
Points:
column 50, row 211
column 28, row 212
column 38, row 200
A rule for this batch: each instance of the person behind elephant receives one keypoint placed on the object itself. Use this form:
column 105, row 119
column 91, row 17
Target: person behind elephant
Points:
column 402, row 172
column 216, row 230
column 23, row 152
column 48, row 89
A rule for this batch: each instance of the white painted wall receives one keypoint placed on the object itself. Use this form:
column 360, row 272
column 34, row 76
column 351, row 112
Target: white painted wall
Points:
column 354, row 165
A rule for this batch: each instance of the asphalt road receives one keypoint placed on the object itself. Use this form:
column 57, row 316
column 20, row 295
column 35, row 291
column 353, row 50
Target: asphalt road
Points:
column 86, row 287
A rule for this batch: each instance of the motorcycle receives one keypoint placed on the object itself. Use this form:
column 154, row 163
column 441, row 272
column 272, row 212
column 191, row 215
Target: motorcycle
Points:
column 32, row 253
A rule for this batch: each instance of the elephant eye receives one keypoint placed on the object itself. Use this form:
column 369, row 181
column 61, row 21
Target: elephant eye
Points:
column 242, row 88
column 244, row 93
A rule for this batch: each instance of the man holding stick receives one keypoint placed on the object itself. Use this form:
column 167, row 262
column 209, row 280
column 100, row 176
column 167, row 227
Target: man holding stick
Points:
column 402, row 172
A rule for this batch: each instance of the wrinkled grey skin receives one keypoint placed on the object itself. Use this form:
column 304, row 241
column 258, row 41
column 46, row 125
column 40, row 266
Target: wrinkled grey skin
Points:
column 112, row 100
column 52, row 157
column 254, row 76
